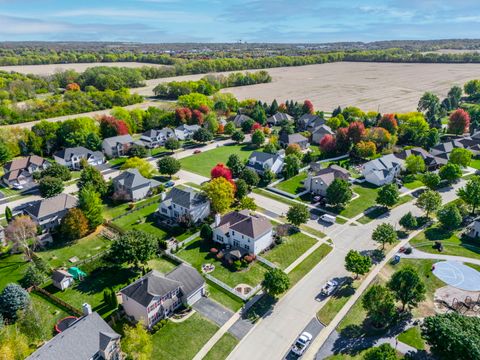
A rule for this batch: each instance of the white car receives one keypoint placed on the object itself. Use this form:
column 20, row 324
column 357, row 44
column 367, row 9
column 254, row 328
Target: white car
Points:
column 18, row 187
column 328, row 218
column 329, row 288
column 302, row 343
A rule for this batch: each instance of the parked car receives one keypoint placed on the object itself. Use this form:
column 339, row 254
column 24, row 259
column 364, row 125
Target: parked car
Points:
column 328, row 218
column 302, row 343
column 317, row 198
column 18, row 187
column 169, row 184
column 329, row 288
column 197, row 151
column 395, row 260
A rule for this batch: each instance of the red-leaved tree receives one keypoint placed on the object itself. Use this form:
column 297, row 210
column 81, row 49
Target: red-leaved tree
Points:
column 256, row 126
column 356, row 130
column 459, row 122
column 111, row 126
column 282, row 108
column 220, row 170
column 204, row 109
column 308, row 107
column 343, row 142
column 328, row 143
column 389, row 123
column 197, row 117
column 183, row 115
column 73, row 87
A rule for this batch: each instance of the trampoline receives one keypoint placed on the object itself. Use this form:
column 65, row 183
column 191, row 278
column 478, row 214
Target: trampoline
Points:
column 457, row 274
column 64, row 323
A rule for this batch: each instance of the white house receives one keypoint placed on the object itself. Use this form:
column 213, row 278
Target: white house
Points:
column 240, row 229
column 185, row 132
column 155, row 138
column 186, row 204
column 383, row 170
column 48, row 213
column 156, row 296
column 116, row 146
column 132, row 186
column 71, row 157
column 318, row 181
column 261, row 162
column 62, row 279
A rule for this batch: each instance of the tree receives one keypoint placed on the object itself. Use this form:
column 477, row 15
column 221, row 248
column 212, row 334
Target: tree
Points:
column 357, row 263
column 220, row 170
column 470, row 193
column 430, row 180
column 242, row 189
column 238, row 136
column 8, row 214
column 12, row 299
column 142, row 165
column 92, row 176
column 49, row 187
column 453, row 336
column 90, row 204
column 14, row 345
column 450, row 217
column 5, row 154
column 460, row 157
column 294, row 149
column 385, row 234
column 137, row 342
column 74, row 225
column 292, row 166
column 267, row 177
column 93, row 142
column 328, row 143
column 134, row 247
column 247, row 203
column 415, row 164
column 298, row 214
column 429, row 103
column 339, row 192
column 202, row 135
column 33, row 276
column 408, row 221
column 137, row 151
column 429, row 201
column 22, row 232
column 235, row 165
column 389, row 123
column 221, row 193
column 356, row 131
column 206, row 232
column 388, row 195
column 168, row 165
column 365, row 149
column 258, row 114
column 382, row 352
column 250, row 176
column 172, row 144
column 275, row 282
column 32, row 322
column 247, row 126
column 454, row 96
column 57, row 171
column 379, row 303
column 450, row 172
column 111, row 126
column 407, row 287
column 459, row 122
column 229, row 128
column 258, row 138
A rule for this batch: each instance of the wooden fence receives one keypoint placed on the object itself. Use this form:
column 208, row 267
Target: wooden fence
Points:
column 57, row 300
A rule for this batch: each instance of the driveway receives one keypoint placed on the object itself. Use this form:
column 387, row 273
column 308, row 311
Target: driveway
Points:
column 313, row 327
column 213, row 311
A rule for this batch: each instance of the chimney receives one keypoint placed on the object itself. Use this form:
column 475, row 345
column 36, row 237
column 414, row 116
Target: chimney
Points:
column 163, row 195
column 218, row 217
column 87, row 309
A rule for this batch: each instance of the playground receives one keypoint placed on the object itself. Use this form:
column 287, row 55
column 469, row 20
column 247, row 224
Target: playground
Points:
column 458, row 275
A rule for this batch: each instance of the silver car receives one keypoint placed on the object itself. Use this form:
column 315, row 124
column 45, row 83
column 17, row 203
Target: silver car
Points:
column 302, row 343
column 329, row 288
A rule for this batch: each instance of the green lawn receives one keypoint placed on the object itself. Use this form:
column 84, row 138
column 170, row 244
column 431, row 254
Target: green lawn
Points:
column 43, row 305
column 143, row 219
column 475, row 164
column 197, row 253
column 336, row 302
column 110, row 211
column 117, row 161
column 474, row 266
column 294, row 185
column 12, row 269
column 452, row 243
column 59, row 253
column 312, row 231
column 274, row 196
column 413, row 184
column 227, row 299
column 368, row 195
column 222, row 348
column 412, row 337
column 181, row 341
column 161, row 264
column 289, row 250
column 380, row 210
column 308, row 263
column 204, row 162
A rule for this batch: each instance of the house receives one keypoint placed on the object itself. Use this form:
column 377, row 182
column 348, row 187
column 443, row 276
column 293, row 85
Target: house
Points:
column 48, row 213
column 3, row 241
column 431, row 162
column 320, row 132
column 319, row 180
column 71, row 157
column 239, row 119
column 117, row 145
column 130, row 185
column 286, row 139
column 240, row 229
column 383, row 170
column 89, row 337
column 185, row 132
column 155, row 138
column 260, row 162
column 469, row 142
column 184, row 204
column 156, row 296
column 62, row 279
column 309, row 122
column 19, row 172
column 279, row 118
column 473, row 230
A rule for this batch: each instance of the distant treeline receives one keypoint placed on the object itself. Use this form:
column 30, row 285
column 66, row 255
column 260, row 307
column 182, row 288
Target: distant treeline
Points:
column 210, row 84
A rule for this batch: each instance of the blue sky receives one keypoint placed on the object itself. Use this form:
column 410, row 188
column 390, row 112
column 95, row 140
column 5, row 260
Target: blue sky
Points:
column 233, row 20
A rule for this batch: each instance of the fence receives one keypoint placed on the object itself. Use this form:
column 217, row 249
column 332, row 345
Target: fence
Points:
column 232, row 290
column 136, row 208
column 91, row 258
column 174, row 257
column 266, row 262
column 57, row 300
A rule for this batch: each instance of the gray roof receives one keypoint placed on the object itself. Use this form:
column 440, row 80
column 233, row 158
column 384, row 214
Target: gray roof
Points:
column 188, row 277
column 53, row 205
column 239, row 119
column 306, row 119
column 131, row 178
column 243, row 222
column 59, row 275
column 24, row 162
column 67, row 153
column 323, row 129
column 292, row 138
column 186, row 127
column 121, row 139
column 80, row 341
column 261, row 158
column 327, row 175
column 279, row 117
column 153, row 133
column 186, row 198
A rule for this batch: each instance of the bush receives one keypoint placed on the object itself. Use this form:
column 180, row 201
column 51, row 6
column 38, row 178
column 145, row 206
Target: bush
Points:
column 214, row 250
column 248, row 258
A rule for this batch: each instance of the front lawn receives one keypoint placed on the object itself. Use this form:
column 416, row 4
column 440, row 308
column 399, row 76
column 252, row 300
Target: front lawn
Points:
column 289, row 250
column 117, row 162
column 368, row 195
column 204, row 162
column 308, row 263
column 111, row 211
column 12, row 269
column 453, row 244
column 197, row 253
column 181, row 341
column 414, row 184
column 143, row 219
column 274, row 196
column 294, row 185
column 336, row 302
column 380, row 210
column 475, row 164
column 223, row 297
column 412, row 337
column 222, row 348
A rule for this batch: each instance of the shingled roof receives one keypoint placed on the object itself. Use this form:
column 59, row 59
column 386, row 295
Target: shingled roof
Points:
column 186, row 198
column 243, row 222
column 23, row 163
column 45, row 207
column 131, row 178
column 67, row 153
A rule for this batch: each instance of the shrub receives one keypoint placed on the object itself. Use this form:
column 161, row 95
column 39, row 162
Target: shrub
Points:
column 214, row 250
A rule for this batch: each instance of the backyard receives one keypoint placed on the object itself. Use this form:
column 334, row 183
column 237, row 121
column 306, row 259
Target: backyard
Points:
column 12, row 269
column 289, row 250
column 294, row 185
column 142, row 219
column 202, row 163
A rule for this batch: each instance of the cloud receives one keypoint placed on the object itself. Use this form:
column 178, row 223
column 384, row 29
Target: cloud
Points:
column 179, row 16
column 19, row 25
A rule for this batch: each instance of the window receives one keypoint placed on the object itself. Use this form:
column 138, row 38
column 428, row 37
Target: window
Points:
column 164, row 210
column 246, row 247
column 236, row 243
column 220, row 238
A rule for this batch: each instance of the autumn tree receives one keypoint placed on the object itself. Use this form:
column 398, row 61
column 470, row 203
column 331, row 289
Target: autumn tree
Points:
column 142, row 165
column 294, row 149
column 74, row 225
column 342, row 140
column 389, row 123
column 365, row 149
column 111, row 126
column 356, row 130
column 459, row 122
column 327, row 144
column 220, row 170
column 221, row 193
column 22, row 232
column 308, row 107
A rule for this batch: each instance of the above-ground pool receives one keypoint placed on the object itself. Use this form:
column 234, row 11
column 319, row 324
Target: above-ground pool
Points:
column 458, row 275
